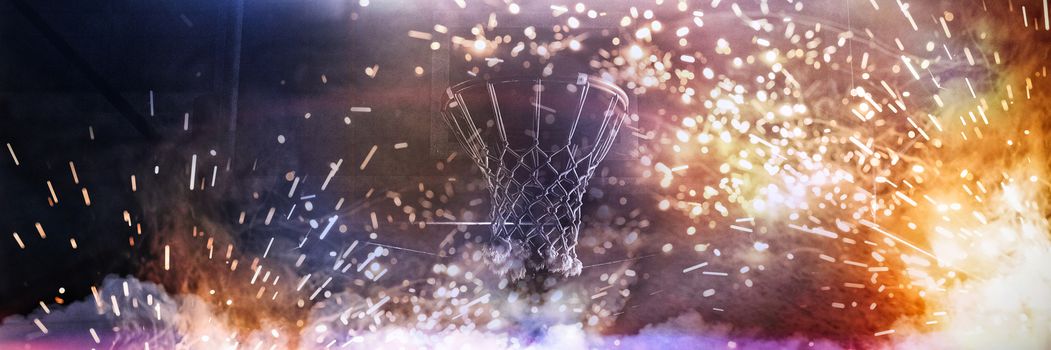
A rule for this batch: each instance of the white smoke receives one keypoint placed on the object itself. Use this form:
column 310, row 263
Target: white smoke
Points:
column 128, row 313
column 1003, row 301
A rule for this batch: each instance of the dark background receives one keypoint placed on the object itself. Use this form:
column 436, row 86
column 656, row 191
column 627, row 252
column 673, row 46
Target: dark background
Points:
column 77, row 79
column 247, row 72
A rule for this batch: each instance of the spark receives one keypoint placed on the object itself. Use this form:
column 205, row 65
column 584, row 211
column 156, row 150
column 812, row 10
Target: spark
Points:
column 12, row 151
column 18, row 240
column 694, row 267
column 368, row 157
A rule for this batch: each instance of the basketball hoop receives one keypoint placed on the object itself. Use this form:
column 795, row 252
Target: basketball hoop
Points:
column 537, row 141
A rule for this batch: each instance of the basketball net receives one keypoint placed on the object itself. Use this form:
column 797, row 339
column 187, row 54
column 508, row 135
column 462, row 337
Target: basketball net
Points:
column 538, row 142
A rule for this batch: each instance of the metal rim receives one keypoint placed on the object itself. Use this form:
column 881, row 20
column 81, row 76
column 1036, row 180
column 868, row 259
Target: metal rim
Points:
column 593, row 81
